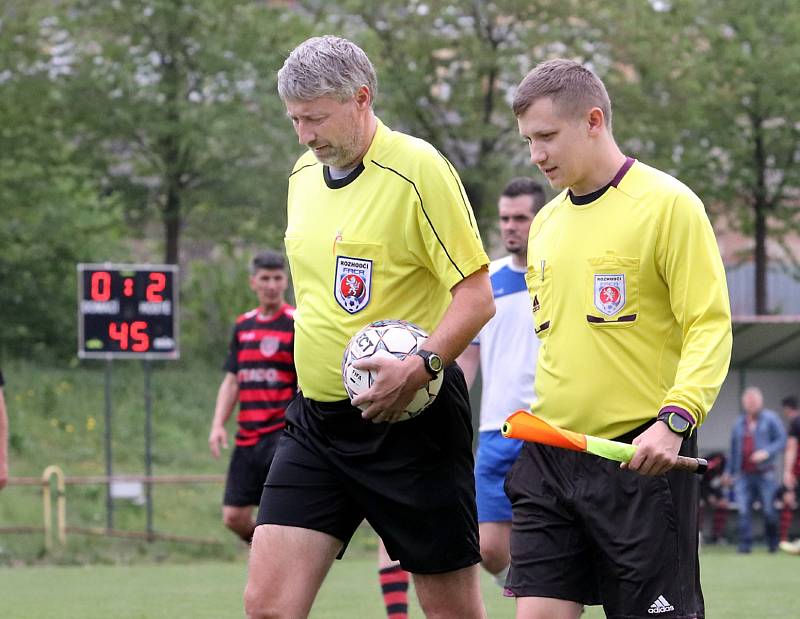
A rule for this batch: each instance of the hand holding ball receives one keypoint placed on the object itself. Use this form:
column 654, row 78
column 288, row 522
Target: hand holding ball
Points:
column 389, row 338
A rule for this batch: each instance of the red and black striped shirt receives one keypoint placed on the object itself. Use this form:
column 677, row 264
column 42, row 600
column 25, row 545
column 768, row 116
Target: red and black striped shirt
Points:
column 261, row 356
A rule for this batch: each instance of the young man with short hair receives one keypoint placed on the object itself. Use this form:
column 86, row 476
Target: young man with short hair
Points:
column 260, row 375
column 630, row 303
column 505, row 351
column 379, row 226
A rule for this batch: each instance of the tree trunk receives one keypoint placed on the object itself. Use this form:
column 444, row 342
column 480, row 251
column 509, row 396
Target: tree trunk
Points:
column 172, row 226
column 760, row 208
column 760, row 259
column 171, row 153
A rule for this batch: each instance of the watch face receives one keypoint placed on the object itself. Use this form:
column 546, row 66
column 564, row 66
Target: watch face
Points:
column 435, row 362
column 678, row 423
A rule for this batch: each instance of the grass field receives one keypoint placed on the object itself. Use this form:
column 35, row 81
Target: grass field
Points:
column 758, row 585
column 56, row 417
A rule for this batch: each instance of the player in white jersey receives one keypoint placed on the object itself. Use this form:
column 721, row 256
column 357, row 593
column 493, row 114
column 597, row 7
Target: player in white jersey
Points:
column 505, row 350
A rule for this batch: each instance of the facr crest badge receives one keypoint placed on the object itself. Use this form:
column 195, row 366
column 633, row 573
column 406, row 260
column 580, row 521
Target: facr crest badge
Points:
column 609, row 293
column 269, row 346
column 353, row 283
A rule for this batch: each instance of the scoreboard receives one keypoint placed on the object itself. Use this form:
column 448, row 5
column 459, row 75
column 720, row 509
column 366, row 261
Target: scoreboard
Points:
column 127, row 311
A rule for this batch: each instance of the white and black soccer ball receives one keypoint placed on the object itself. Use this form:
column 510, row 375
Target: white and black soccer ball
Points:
column 395, row 338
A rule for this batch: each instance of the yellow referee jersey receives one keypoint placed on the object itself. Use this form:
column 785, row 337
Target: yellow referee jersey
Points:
column 630, row 302
column 389, row 241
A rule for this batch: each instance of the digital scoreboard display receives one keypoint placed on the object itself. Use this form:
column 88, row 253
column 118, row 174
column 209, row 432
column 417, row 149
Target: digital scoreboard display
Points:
column 127, row 311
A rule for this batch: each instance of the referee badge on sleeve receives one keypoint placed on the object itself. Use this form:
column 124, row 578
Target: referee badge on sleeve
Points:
column 353, row 283
column 609, row 293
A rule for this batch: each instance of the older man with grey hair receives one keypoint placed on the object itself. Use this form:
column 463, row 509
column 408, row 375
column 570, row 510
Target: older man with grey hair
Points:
column 379, row 226
column 757, row 439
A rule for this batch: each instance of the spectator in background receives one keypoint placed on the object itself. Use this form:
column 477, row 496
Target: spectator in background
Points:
column 260, row 375
column 757, row 439
column 791, row 471
column 3, row 438
column 505, row 350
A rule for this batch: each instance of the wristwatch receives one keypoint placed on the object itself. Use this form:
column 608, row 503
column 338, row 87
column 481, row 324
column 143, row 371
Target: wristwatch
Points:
column 433, row 362
column 676, row 423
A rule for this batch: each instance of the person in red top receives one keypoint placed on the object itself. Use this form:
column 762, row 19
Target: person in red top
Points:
column 791, row 471
column 260, row 375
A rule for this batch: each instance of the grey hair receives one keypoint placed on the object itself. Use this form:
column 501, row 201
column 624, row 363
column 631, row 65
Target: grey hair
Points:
column 326, row 66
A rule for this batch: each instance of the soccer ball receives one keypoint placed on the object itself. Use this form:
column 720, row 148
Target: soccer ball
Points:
column 386, row 338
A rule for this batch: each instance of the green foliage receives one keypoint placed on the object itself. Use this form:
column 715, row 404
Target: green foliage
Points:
column 178, row 109
column 54, row 214
column 727, row 91
column 708, row 91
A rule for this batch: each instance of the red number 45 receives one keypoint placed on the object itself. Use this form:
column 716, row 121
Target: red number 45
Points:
column 132, row 334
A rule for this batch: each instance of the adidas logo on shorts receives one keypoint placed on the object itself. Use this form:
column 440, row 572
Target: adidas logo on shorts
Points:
column 660, row 606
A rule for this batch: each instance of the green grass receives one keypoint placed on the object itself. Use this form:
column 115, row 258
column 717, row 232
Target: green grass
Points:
column 757, row 585
column 56, row 416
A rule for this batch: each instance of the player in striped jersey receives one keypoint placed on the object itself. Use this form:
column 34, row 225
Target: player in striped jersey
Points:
column 260, row 375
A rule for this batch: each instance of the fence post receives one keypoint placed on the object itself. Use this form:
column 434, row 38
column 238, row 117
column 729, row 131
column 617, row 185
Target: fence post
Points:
column 61, row 506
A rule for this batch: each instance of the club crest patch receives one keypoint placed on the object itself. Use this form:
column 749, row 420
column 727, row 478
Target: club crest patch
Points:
column 268, row 346
column 353, row 283
column 609, row 293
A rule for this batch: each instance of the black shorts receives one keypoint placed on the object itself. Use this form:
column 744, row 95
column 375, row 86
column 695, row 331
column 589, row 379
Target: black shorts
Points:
column 412, row 480
column 248, row 470
column 587, row 531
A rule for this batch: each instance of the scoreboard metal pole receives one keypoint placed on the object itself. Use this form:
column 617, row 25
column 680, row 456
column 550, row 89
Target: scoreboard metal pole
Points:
column 107, row 441
column 148, row 451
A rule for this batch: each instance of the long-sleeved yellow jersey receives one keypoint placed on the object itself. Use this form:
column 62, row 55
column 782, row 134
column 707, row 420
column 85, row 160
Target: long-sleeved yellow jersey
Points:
column 630, row 302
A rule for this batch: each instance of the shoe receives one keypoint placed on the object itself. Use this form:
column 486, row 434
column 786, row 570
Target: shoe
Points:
column 792, row 548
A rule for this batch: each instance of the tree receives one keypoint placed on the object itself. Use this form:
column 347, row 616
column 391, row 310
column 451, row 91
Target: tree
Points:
column 721, row 110
column 54, row 215
column 176, row 103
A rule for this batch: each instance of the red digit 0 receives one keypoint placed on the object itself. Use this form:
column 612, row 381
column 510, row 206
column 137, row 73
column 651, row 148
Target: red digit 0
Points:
column 101, row 286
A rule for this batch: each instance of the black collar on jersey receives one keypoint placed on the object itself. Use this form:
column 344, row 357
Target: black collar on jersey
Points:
column 338, row 183
column 591, row 197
